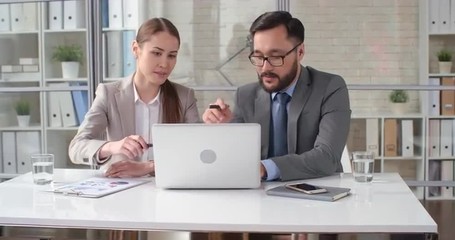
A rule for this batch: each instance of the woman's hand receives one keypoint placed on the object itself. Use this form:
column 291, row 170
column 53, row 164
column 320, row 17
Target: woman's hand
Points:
column 130, row 168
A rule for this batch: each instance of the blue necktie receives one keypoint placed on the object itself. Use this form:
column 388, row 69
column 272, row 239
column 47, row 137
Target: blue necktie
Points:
column 280, row 126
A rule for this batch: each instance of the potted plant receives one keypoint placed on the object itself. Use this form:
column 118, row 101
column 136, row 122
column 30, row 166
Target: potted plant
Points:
column 399, row 98
column 445, row 61
column 23, row 113
column 70, row 56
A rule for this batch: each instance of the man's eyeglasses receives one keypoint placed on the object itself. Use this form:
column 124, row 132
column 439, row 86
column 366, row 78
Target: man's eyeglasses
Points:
column 275, row 61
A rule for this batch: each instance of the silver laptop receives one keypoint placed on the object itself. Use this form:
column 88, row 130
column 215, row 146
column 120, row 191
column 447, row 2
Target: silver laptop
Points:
column 207, row 155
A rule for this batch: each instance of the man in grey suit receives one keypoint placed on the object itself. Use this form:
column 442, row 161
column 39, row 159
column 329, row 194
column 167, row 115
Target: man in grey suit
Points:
column 304, row 113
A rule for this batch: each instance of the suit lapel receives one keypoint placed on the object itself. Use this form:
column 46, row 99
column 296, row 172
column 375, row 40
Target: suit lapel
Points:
column 262, row 115
column 125, row 106
column 300, row 97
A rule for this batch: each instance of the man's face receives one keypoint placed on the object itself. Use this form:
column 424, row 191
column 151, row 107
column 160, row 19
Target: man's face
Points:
column 274, row 42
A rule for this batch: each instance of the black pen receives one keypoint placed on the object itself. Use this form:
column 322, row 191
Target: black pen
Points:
column 215, row 106
column 149, row 144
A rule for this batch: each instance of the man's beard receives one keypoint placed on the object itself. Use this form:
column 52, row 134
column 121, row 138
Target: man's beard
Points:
column 282, row 82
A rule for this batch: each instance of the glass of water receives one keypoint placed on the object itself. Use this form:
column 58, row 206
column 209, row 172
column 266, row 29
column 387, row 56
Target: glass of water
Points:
column 363, row 166
column 43, row 168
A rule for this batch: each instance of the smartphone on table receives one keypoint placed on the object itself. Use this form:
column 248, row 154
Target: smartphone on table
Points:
column 306, row 188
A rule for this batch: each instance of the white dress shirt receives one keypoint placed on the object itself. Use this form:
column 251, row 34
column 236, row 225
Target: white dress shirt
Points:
column 146, row 115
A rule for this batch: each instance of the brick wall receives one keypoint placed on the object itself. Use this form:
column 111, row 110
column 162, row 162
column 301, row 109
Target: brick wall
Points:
column 365, row 41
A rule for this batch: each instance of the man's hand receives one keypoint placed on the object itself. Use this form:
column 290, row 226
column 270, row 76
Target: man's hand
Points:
column 131, row 146
column 263, row 172
column 130, row 168
column 217, row 115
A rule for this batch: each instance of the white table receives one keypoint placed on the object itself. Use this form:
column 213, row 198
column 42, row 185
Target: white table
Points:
column 385, row 206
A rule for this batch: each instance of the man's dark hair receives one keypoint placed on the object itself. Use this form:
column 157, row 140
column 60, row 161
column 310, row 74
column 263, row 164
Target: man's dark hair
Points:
column 270, row 20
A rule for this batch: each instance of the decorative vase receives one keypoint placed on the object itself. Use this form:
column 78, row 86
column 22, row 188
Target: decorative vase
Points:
column 23, row 120
column 70, row 69
column 399, row 108
column 445, row 67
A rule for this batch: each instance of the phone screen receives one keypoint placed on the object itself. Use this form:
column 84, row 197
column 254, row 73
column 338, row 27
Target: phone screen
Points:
column 306, row 187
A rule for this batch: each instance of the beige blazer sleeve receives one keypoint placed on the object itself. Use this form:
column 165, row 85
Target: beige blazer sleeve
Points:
column 89, row 138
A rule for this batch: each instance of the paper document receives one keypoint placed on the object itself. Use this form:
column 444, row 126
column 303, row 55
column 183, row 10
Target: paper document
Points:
column 98, row 186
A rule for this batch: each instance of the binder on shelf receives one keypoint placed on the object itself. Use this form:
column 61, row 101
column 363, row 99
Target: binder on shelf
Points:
column 105, row 13
column 453, row 135
column 27, row 143
column 129, row 62
column 452, row 16
column 356, row 139
column 73, row 14
column 30, row 16
column 55, row 15
column 434, row 139
column 433, row 98
column 115, row 14
column 16, row 17
column 407, row 138
column 23, row 16
column 372, row 135
column 9, row 152
column 104, row 56
column 66, row 107
column 55, row 115
column 1, row 155
column 448, row 97
column 130, row 13
column 390, row 137
column 444, row 16
column 114, row 54
column 446, row 137
column 433, row 16
column 434, row 174
column 447, row 175
column 80, row 100
column 4, row 18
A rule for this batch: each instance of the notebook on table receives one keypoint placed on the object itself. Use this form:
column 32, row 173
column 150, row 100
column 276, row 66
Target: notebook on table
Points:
column 96, row 187
column 332, row 194
column 207, row 156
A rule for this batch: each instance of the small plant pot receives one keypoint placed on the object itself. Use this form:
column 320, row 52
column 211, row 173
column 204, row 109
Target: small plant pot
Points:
column 70, row 69
column 399, row 108
column 445, row 67
column 23, row 120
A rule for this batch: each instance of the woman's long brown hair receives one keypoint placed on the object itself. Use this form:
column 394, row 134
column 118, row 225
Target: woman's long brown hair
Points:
column 171, row 103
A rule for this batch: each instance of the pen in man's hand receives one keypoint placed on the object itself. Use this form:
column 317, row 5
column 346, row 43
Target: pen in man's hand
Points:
column 149, row 144
column 215, row 106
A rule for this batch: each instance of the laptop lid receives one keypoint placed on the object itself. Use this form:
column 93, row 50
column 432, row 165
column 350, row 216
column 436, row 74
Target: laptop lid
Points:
column 207, row 155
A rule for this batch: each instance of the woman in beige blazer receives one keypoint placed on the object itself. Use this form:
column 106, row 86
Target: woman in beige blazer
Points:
column 124, row 111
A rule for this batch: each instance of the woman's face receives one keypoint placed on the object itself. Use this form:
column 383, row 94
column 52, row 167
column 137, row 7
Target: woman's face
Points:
column 157, row 57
